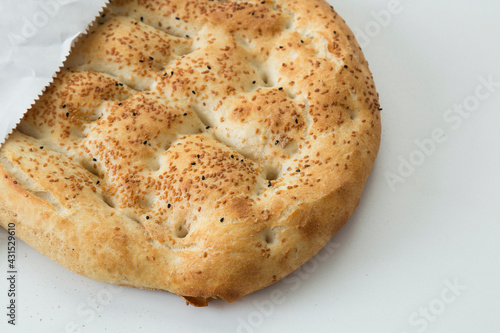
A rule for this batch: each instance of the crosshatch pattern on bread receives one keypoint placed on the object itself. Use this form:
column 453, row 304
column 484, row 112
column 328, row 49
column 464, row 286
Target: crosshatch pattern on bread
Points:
column 206, row 148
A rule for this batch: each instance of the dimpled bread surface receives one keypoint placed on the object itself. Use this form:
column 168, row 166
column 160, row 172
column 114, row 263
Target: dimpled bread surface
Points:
column 206, row 148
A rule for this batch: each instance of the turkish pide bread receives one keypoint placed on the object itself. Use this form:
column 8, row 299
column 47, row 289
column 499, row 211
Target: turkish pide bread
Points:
column 206, row 148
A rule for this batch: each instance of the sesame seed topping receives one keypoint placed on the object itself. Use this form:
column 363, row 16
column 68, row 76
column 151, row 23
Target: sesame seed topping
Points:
column 146, row 162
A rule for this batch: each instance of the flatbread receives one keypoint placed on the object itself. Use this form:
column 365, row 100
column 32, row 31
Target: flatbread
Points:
column 206, row 148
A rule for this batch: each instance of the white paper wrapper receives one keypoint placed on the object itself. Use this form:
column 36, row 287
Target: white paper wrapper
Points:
column 35, row 39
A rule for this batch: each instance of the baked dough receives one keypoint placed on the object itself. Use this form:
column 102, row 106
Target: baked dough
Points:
column 207, row 148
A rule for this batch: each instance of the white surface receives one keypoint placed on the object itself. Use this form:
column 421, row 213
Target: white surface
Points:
column 401, row 249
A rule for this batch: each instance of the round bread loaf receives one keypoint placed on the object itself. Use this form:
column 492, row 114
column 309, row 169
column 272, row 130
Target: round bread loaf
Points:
column 207, row 148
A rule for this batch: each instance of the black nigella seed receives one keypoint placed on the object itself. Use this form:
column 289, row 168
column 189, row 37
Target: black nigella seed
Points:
column 209, row 67
column 281, row 47
column 169, row 205
column 67, row 114
column 198, row 156
column 298, row 170
column 177, row 18
column 232, row 156
column 151, row 58
column 254, row 82
column 142, row 19
column 296, row 121
column 194, row 163
column 222, row 219
column 202, row 177
column 280, row 88
column 134, row 114
column 302, row 41
column 276, row 142
column 194, row 92
column 120, row 104
column 141, row 60
column 345, row 66
column 64, row 106
column 147, row 217
column 269, row 184
column 185, row 113
column 94, row 159
column 208, row 127
column 306, row 166
column 98, row 182
column 145, row 142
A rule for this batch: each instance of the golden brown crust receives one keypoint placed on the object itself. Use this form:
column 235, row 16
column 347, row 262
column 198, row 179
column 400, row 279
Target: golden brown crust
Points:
column 207, row 148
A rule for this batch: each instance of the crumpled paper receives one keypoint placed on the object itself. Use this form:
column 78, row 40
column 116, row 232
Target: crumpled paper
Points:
column 35, row 39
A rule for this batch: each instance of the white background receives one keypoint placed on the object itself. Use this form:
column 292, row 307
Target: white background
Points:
column 406, row 243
